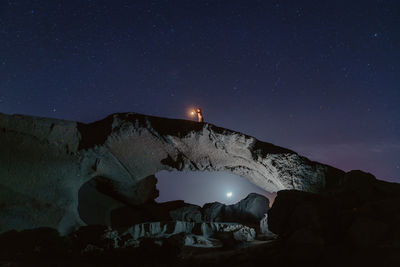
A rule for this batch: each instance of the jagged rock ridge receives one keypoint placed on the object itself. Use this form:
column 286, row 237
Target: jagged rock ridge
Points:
column 44, row 162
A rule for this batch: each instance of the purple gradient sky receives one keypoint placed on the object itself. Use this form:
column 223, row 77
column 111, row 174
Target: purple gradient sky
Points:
column 319, row 77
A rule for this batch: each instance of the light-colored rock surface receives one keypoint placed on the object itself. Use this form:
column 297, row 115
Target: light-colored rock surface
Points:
column 201, row 241
column 242, row 233
column 165, row 229
column 162, row 230
column 264, row 230
column 44, row 162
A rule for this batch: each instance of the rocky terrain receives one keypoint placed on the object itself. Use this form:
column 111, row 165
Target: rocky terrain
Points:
column 169, row 229
column 249, row 210
column 360, row 216
column 200, row 225
column 354, row 224
column 45, row 163
column 321, row 216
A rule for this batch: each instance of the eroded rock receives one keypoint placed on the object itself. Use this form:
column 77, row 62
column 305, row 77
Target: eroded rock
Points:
column 363, row 211
column 248, row 210
column 188, row 213
column 46, row 161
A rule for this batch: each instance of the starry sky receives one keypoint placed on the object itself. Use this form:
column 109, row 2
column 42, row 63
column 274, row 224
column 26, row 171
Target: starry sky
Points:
column 319, row 77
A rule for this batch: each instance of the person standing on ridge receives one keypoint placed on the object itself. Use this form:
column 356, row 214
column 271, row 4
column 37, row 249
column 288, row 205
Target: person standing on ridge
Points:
column 199, row 115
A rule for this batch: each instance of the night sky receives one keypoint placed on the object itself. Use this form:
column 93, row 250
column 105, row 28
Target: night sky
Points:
column 319, row 77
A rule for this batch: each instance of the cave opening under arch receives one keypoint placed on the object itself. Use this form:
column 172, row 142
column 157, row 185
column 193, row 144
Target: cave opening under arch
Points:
column 193, row 187
column 206, row 186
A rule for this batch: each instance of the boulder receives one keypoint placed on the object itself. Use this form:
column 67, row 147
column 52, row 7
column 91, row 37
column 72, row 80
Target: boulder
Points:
column 293, row 210
column 248, row 210
column 239, row 232
column 188, row 213
column 201, row 241
column 362, row 210
column 213, row 212
column 244, row 233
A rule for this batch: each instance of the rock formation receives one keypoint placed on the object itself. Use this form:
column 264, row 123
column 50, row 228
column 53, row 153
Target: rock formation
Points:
column 203, row 231
column 45, row 162
column 188, row 213
column 248, row 210
column 127, row 216
column 363, row 212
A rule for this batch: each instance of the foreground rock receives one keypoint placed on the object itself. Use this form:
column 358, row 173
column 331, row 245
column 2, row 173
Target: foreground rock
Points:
column 149, row 212
column 248, row 211
column 364, row 212
column 189, row 213
column 47, row 161
column 195, row 231
column 99, row 239
column 44, row 247
column 28, row 243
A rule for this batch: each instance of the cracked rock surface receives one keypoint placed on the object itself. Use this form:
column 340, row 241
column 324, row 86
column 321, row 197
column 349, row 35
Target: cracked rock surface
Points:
column 44, row 162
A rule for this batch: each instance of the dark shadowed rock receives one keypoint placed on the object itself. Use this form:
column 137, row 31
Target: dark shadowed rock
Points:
column 248, row 210
column 366, row 232
column 189, row 213
column 293, row 210
column 150, row 212
column 304, row 246
column 174, row 244
column 213, row 212
column 361, row 184
column 364, row 211
column 227, row 239
column 144, row 191
column 89, row 238
column 305, row 236
column 45, row 242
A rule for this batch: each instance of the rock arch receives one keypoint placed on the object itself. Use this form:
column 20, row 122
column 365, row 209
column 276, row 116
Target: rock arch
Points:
column 49, row 160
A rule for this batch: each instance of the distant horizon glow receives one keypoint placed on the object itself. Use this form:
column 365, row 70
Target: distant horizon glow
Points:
column 205, row 187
